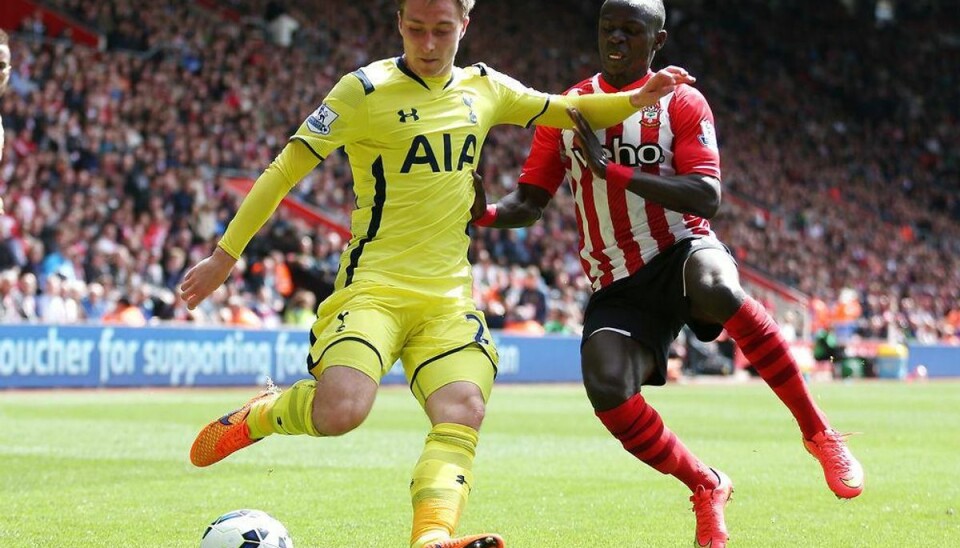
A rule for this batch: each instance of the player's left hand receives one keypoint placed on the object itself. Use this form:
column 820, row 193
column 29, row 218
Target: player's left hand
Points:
column 663, row 82
column 479, row 206
column 587, row 140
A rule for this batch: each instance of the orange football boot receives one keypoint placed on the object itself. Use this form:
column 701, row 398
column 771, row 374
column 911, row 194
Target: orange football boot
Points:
column 473, row 541
column 708, row 505
column 841, row 469
column 229, row 433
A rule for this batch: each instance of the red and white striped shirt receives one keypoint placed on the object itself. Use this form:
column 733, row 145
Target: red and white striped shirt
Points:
column 620, row 231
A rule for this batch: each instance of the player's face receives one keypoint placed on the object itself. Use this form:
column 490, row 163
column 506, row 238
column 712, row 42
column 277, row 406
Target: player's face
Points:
column 4, row 67
column 628, row 40
column 431, row 32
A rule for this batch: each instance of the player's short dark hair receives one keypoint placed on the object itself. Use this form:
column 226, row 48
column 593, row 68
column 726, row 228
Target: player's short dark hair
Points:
column 4, row 39
column 657, row 12
column 651, row 9
column 465, row 5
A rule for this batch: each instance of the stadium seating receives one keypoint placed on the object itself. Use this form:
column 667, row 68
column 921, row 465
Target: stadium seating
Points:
column 840, row 170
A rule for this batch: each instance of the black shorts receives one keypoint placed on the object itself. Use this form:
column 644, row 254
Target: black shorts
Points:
column 651, row 306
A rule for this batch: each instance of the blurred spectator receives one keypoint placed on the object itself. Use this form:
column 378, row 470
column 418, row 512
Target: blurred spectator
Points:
column 301, row 310
column 239, row 314
column 93, row 303
column 558, row 322
column 281, row 25
column 9, row 297
column 125, row 313
column 522, row 321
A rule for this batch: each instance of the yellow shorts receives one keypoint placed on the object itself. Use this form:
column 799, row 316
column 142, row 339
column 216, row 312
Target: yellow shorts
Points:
column 439, row 339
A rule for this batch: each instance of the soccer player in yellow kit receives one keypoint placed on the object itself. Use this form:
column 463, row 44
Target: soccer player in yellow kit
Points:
column 413, row 127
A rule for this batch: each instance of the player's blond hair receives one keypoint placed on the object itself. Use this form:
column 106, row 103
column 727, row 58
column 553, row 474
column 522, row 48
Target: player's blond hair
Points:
column 464, row 5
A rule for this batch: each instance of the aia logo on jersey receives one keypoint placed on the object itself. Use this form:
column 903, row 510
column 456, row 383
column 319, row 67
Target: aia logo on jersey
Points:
column 650, row 116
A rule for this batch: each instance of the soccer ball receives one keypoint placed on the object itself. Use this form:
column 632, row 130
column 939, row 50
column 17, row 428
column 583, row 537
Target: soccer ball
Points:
column 246, row 529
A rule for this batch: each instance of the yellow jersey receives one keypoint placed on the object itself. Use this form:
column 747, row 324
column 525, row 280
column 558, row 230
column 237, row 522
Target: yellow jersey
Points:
column 412, row 143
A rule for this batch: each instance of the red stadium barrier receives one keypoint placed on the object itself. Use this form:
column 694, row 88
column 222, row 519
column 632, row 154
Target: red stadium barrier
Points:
column 15, row 11
column 295, row 207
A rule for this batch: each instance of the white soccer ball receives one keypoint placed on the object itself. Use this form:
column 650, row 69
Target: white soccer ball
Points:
column 246, row 529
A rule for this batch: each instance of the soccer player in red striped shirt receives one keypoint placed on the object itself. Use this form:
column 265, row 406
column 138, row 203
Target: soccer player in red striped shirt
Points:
column 644, row 190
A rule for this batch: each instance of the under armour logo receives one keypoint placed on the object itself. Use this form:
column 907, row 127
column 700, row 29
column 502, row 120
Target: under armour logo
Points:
column 403, row 115
column 343, row 321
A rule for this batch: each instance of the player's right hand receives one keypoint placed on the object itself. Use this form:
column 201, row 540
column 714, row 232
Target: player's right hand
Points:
column 204, row 278
column 479, row 206
column 587, row 141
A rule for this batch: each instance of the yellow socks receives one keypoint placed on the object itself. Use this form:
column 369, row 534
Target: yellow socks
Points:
column 442, row 480
column 289, row 414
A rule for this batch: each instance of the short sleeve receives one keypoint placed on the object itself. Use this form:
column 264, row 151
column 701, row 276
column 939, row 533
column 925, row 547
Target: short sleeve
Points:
column 517, row 104
column 544, row 166
column 340, row 120
column 695, row 148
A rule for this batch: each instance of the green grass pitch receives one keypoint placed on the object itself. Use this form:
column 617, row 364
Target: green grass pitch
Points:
column 110, row 468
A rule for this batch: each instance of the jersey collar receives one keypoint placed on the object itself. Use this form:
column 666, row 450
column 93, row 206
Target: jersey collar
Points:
column 606, row 87
column 402, row 65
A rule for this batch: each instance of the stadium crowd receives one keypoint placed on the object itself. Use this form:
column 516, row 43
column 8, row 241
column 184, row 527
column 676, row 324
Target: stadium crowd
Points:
column 840, row 157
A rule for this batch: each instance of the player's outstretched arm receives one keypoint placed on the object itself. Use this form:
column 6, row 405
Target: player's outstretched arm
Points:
column 692, row 193
column 293, row 162
column 603, row 110
column 522, row 207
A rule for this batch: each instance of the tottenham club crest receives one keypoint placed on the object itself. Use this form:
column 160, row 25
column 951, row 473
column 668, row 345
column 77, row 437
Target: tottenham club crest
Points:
column 650, row 116
column 321, row 120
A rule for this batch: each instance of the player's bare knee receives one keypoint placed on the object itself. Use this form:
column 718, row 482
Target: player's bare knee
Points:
column 469, row 413
column 614, row 367
column 459, row 406
column 605, row 382
column 606, row 390
column 338, row 418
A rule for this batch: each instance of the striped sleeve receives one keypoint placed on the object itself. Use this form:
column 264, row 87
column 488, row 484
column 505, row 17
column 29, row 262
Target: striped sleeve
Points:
column 695, row 148
column 544, row 166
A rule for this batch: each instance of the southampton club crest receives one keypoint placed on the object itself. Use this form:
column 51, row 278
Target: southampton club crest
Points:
column 650, row 116
column 321, row 120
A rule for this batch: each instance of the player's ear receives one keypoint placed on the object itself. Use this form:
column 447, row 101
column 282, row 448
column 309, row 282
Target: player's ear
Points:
column 660, row 40
column 463, row 29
